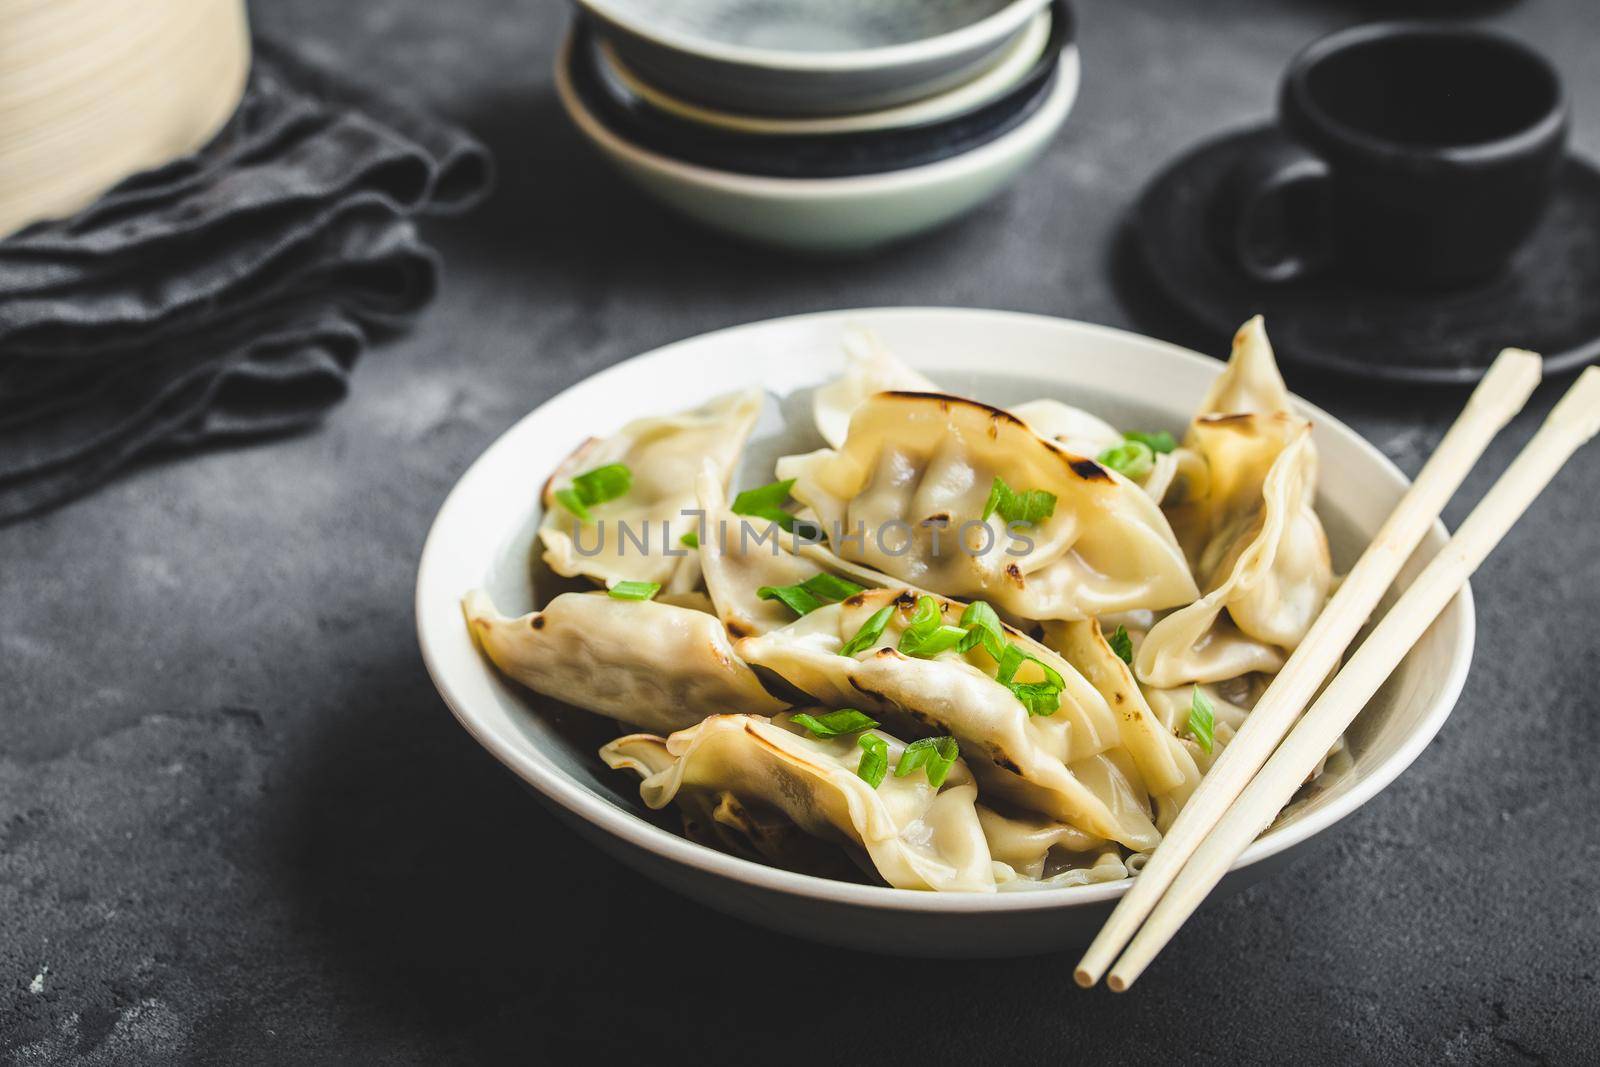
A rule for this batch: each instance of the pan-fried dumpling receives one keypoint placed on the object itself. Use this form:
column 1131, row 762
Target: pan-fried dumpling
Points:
column 1065, row 763
column 917, row 835
column 1163, row 763
column 634, row 536
column 720, row 820
column 907, row 493
column 869, row 368
column 1265, row 568
column 649, row 664
column 1254, row 540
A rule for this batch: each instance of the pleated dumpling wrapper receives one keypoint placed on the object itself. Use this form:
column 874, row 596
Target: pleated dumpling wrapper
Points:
column 592, row 529
column 1031, row 852
column 1257, row 547
column 916, row 834
column 1034, row 731
column 656, row 666
column 966, row 500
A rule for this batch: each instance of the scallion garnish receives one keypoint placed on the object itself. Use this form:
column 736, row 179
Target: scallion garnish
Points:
column 1131, row 459
column 874, row 759
column 690, row 540
column 594, row 487
column 766, row 502
column 635, row 590
column 1121, row 644
column 834, row 723
column 983, row 628
column 1160, row 441
column 869, row 633
column 1202, row 720
column 811, row 594
column 935, row 755
column 926, row 635
column 1030, row 507
column 1039, row 698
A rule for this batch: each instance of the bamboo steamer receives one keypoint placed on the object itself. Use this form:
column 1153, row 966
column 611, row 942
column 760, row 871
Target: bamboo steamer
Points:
column 92, row 91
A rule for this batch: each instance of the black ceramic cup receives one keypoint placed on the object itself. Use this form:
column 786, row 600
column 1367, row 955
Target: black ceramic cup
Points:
column 1417, row 155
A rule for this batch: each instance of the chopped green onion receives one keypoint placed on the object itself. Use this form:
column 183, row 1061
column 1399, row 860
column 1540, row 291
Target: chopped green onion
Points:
column 926, row 635
column 1160, row 441
column 1030, row 507
column 935, row 755
column 869, row 633
column 690, row 540
column 594, row 487
column 603, row 483
column 570, row 500
column 1131, row 459
column 1121, row 644
column 1202, row 720
column 834, row 723
column 874, row 759
column 810, row 594
column 766, row 502
column 635, row 590
column 983, row 627
column 928, row 645
column 1039, row 698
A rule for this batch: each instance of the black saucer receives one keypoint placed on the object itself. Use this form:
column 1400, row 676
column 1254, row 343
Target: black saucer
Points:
column 1546, row 300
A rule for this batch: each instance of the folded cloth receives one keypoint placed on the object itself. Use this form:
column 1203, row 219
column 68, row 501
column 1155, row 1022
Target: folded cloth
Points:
column 224, row 295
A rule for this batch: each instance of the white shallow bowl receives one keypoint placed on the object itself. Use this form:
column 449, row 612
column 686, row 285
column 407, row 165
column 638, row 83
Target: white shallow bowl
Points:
column 829, row 215
column 484, row 537
column 1017, row 58
column 809, row 57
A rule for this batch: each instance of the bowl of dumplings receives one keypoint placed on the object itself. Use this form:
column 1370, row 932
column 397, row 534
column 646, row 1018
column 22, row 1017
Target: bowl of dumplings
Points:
column 912, row 630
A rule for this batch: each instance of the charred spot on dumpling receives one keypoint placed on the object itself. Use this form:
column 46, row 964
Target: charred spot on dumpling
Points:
column 1088, row 470
column 871, row 693
column 1005, row 763
column 906, row 600
column 538, row 622
column 1118, row 698
column 1014, row 572
column 940, row 519
column 856, row 600
column 949, row 403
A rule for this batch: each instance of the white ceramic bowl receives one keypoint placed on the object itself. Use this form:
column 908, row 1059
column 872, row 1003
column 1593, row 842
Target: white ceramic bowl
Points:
column 1017, row 58
column 829, row 215
column 484, row 535
column 809, row 57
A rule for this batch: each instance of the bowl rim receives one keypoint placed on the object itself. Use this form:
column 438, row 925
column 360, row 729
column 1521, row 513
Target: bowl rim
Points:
column 990, row 29
column 1019, row 58
column 1048, row 116
column 663, row 844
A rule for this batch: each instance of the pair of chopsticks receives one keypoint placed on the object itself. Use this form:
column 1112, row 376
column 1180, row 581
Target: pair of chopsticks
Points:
column 1266, row 762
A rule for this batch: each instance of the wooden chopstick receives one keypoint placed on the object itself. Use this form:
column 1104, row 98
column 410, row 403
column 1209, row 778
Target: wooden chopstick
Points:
column 1504, row 389
column 1574, row 420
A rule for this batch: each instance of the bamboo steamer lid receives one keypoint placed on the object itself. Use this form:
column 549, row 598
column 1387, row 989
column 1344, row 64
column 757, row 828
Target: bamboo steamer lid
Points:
column 92, row 91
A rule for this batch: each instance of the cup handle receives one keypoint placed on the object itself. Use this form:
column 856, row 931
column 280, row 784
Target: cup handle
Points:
column 1273, row 212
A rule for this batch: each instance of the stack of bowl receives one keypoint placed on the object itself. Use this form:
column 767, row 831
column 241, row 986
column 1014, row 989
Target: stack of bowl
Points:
column 819, row 125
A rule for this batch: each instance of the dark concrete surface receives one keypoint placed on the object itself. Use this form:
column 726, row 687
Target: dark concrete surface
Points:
column 237, row 825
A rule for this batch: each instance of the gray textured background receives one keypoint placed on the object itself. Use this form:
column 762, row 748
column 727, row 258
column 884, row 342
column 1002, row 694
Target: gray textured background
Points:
column 236, row 824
